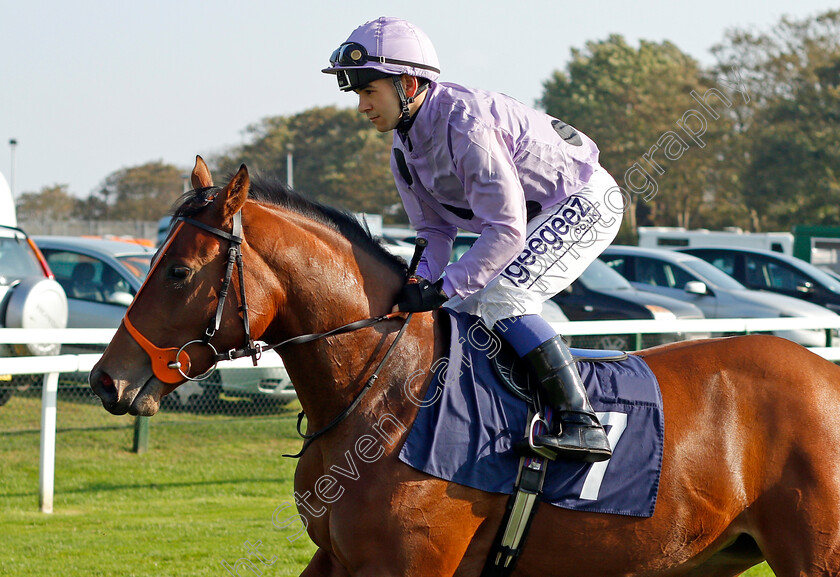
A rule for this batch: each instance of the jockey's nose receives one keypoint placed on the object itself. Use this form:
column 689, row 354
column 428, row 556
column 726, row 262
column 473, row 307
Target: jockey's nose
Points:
column 364, row 104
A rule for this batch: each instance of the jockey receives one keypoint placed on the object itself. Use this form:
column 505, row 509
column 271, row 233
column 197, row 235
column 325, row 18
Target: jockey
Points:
column 529, row 184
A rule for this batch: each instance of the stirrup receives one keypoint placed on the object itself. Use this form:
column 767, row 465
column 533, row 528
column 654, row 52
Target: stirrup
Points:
column 539, row 449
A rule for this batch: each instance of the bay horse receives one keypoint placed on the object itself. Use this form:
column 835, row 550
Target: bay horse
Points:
column 752, row 424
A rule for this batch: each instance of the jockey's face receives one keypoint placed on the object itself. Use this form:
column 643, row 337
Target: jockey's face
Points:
column 380, row 103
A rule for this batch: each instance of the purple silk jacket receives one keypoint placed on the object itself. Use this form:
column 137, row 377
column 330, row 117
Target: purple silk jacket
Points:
column 483, row 162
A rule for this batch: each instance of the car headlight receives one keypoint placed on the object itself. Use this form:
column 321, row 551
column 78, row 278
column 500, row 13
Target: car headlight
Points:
column 661, row 313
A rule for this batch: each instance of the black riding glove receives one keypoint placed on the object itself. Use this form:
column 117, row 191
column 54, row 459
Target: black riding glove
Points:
column 420, row 295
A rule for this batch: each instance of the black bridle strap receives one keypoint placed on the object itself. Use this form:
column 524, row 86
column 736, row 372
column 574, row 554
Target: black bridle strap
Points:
column 250, row 349
column 348, row 328
column 309, row 439
column 254, row 350
column 234, row 238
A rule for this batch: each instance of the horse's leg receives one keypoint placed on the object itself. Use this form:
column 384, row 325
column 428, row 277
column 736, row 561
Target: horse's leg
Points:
column 323, row 564
column 802, row 535
column 800, row 519
column 407, row 524
column 796, row 518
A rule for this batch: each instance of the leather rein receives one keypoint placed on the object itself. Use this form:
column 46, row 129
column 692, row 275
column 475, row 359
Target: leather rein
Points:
column 171, row 365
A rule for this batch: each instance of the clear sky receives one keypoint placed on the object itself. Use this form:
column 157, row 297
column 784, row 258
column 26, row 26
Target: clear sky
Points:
column 91, row 86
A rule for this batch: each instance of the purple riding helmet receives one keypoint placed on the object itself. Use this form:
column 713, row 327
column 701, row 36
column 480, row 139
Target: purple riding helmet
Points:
column 382, row 48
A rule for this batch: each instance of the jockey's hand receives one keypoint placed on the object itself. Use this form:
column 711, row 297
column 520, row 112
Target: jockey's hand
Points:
column 420, row 295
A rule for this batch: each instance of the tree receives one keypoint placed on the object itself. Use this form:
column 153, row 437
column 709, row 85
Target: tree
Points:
column 658, row 120
column 144, row 192
column 792, row 153
column 50, row 203
column 339, row 158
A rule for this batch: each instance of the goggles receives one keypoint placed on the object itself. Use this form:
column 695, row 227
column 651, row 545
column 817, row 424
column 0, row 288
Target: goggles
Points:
column 354, row 54
column 349, row 79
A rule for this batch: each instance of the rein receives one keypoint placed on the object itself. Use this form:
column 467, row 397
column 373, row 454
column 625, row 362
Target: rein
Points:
column 171, row 365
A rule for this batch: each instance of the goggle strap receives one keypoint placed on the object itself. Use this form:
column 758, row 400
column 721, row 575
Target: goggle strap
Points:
column 383, row 60
column 338, row 56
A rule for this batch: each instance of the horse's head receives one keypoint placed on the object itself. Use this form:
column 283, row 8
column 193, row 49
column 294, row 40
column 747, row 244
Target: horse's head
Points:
column 166, row 334
column 302, row 267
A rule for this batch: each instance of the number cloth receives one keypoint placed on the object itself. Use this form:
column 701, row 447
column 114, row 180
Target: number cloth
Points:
column 467, row 424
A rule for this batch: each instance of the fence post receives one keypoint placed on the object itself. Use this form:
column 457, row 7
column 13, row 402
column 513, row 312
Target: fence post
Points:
column 141, row 435
column 49, row 393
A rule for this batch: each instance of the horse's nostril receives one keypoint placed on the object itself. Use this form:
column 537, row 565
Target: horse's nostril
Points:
column 103, row 385
column 107, row 384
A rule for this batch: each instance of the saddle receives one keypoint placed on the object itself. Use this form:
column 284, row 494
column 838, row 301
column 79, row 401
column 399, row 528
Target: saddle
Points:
column 480, row 404
column 522, row 503
column 513, row 374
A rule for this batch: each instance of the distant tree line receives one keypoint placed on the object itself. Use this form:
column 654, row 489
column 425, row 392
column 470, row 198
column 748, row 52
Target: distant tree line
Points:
column 753, row 141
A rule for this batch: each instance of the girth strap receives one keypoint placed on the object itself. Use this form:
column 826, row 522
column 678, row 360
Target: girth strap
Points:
column 521, row 509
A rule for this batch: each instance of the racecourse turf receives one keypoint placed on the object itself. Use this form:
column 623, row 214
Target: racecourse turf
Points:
column 207, row 485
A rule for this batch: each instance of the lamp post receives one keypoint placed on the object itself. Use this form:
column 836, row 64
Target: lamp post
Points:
column 12, row 146
column 290, row 169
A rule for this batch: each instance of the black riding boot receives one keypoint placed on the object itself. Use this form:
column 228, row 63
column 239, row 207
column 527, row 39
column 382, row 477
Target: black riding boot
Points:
column 575, row 431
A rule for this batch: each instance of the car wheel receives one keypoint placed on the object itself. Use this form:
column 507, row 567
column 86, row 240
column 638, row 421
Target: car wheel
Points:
column 613, row 342
column 5, row 395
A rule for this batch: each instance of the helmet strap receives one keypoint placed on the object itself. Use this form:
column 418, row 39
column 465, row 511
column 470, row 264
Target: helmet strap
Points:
column 405, row 118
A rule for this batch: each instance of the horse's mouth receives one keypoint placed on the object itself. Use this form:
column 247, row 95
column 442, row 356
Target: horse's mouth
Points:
column 147, row 401
column 140, row 400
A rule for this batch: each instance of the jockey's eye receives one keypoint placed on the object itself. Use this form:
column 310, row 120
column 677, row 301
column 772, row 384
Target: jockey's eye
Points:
column 178, row 273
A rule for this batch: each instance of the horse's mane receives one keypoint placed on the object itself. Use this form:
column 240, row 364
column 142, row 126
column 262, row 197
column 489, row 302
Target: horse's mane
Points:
column 273, row 191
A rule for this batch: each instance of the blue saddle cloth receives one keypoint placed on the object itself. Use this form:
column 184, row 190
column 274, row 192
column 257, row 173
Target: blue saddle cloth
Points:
column 465, row 430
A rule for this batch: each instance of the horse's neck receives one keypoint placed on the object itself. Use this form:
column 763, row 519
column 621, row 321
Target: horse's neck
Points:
column 328, row 379
column 347, row 285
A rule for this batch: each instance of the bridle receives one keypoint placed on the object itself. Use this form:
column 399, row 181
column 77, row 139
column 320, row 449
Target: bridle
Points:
column 171, row 365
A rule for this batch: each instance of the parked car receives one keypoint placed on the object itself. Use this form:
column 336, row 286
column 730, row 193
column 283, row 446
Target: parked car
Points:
column 771, row 271
column 462, row 243
column 29, row 298
column 600, row 293
column 101, row 278
column 830, row 272
column 398, row 248
column 718, row 295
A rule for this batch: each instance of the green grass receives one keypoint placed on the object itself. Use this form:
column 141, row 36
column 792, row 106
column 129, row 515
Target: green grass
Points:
column 206, row 485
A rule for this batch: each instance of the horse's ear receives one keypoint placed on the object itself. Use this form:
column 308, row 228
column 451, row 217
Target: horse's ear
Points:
column 236, row 192
column 200, row 177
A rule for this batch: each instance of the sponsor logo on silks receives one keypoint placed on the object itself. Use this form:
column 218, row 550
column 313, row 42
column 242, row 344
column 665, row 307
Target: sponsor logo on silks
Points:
column 567, row 225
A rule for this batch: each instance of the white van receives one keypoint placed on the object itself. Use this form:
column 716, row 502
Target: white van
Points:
column 8, row 216
column 673, row 237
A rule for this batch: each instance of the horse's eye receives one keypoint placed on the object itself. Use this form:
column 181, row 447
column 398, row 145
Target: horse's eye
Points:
column 179, row 273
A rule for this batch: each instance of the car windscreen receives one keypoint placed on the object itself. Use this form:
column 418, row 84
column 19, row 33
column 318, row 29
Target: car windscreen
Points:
column 712, row 275
column 830, row 282
column 138, row 264
column 17, row 259
column 599, row 276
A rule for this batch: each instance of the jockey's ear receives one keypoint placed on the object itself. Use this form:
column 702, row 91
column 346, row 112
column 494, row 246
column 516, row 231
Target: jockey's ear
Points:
column 200, row 177
column 236, row 192
column 411, row 85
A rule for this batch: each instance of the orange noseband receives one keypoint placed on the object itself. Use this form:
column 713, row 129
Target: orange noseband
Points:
column 169, row 365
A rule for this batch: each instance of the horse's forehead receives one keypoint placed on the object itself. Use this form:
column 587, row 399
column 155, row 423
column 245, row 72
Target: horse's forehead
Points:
column 188, row 243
